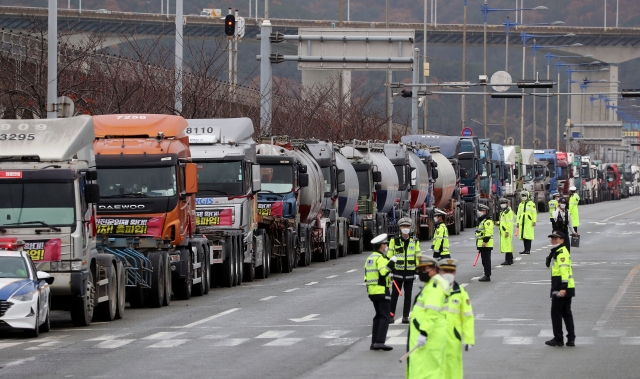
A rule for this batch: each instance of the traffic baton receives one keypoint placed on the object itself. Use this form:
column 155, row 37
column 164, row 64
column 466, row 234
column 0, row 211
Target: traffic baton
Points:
column 397, row 288
column 476, row 261
column 409, row 353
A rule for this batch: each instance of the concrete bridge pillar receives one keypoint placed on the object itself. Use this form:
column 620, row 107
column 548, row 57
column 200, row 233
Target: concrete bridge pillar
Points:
column 593, row 108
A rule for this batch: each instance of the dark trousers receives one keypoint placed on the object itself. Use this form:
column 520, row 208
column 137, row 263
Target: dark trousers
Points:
column 561, row 310
column 485, row 254
column 553, row 225
column 527, row 245
column 508, row 257
column 407, row 287
column 380, row 321
column 575, row 228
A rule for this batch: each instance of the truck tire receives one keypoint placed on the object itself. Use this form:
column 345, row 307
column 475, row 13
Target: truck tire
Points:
column 106, row 311
column 156, row 292
column 462, row 220
column 305, row 257
column 227, row 265
column 468, row 215
column 122, row 283
column 168, row 290
column 249, row 272
column 239, row 261
column 202, row 288
column 182, row 287
column 456, row 228
column 287, row 260
column 267, row 257
column 82, row 308
column 261, row 271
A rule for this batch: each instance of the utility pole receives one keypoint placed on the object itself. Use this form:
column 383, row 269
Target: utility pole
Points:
column 341, row 21
column 230, row 60
column 265, row 73
column 414, row 95
column 179, row 51
column 235, row 60
column 52, row 61
column 425, row 72
column 535, row 76
column 463, row 115
column 389, row 80
column 484, row 98
column 506, row 69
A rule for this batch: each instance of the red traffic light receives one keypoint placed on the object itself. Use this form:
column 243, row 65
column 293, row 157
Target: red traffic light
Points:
column 230, row 25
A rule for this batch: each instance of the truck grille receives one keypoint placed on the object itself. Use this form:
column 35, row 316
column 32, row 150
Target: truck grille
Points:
column 4, row 307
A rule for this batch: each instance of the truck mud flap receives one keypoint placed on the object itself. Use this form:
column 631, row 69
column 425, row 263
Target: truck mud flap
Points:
column 79, row 283
column 354, row 233
column 137, row 267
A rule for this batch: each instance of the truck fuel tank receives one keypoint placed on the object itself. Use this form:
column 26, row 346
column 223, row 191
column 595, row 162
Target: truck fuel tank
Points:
column 347, row 199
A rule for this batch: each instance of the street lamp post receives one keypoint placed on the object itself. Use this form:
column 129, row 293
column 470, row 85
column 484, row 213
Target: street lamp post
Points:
column 464, row 63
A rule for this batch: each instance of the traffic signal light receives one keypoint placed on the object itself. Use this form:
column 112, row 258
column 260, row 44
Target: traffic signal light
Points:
column 406, row 93
column 230, row 25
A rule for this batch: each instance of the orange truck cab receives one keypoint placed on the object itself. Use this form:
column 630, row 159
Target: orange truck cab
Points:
column 147, row 204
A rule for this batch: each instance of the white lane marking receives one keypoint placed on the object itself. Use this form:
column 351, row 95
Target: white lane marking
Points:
column 498, row 266
column 332, row 276
column 396, row 341
column 275, row 334
column 517, row 340
column 476, row 278
column 630, row 341
column 546, row 333
column 341, row 342
column 351, row 270
column 18, row 362
column 310, row 317
column 112, row 344
column 310, row 284
column 214, row 336
column 398, row 321
column 333, row 333
column 517, row 259
column 108, row 337
column 612, row 333
column 395, row 332
column 168, row 343
column 454, row 243
column 268, row 298
column 211, row 318
column 620, row 214
column 497, row 333
column 231, row 342
column 608, row 311
column 464, row 285
column 163, row 335
column 48, row 339
column 9, row 344
column 291, row 290
column 283, row 342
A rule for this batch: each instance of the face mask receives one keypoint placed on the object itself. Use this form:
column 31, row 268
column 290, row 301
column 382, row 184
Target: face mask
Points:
column 435, row 219
column 424, row 276
column 503, row 206
column 405, row 231
column 523, row 198
column 562, row 206
column 449, row 277
column 480, row 214
column 386, row 248
column 556, row 245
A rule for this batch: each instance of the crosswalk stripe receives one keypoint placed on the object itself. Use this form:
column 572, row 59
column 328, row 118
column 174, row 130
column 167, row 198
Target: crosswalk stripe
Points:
column 283, row 342
column 168, row 343
column 163, row 335
column 396, row 341
column 275, row 334
column 229, row 342
column 9, row 344
column 112, row 344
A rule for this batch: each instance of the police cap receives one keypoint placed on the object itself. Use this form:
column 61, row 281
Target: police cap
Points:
column 558, row 234
column 380, row 239
column 439, row 212
column 405, row 221
column 483, row 207
column 426, row 261
column 562, row 201
column 503, row 200
column 448, row 264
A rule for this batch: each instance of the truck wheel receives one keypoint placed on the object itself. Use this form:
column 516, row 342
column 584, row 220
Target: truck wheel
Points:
column 106, row 311
column 182, row 287
column 305, row 257
column 261, row 271
column 456, row 228
column 82, row 308
column 239, row 262
column 228, row 265
column 122, row 283
column 250, row 272
column 462, row 221
column 468, row 215
column 268, row 256
column 327, row 250
column 287, row 260
column 167, row 279
column 202, row 288
column 156, row 292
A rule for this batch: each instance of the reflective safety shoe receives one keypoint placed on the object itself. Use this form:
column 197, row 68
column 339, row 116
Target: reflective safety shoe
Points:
column 571, row 343
column 484, row 279
column 381, row 346
column 405, row 320
column 525, row 252
column 505, row 264
column 554, row 343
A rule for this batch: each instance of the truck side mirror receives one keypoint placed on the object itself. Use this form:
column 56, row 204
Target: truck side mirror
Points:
column 434, row 173
column 92, row 193
column 434, row 164
column 302, row 169
column 303, row 180
column 377, row 176
column 191, row 179
column 479, row 168
column 340, row 176
column 378, row 187
column 341, row 188
column 256, row 184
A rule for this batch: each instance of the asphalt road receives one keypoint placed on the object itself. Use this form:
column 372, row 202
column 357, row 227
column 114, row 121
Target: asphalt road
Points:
column 315, row 322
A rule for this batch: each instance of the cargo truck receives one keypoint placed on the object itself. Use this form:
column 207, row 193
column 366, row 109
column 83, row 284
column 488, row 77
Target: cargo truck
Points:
column 348, row 205
column 147, row 203
column 423, row 160
column 551, row 158
column 513, row 175
column 488, row 192
column 48, row 198
column 224, row 153
column 612, row 178
column 472, row 164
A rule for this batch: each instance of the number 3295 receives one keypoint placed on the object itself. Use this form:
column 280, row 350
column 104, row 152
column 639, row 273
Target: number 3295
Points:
column 17, row 137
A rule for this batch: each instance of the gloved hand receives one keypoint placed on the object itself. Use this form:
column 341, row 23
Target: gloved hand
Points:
column 467, row 347
column 422, row 340
column 393, row 259
column 416, row 277
column 548, row 261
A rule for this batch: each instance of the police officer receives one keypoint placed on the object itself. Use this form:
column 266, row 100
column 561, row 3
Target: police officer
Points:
column 428, row 326
column 484, row 240
column 553, row 205
column 562, row 290
column 376, row 275
column 563, row 220
column 527, row 217
column 460, row 321
column 440, row 245
column 404, row 248
column 505, row 227
column 574, row 200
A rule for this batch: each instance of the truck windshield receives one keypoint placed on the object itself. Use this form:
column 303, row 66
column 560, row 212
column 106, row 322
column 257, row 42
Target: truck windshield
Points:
column 539, row 173
column 28, row 204
column 610, row 176
column 276, row 178
column 552, row 168
column 584, row 172
column 326, row 173
column 140, row 182
column 220, row 178
column 363, row 180
column 562, row 173
column 529, row 173
column 467, row 165
column 627, row 176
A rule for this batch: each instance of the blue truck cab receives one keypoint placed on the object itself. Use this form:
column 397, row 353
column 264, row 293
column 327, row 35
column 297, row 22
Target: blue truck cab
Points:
column 549, row 156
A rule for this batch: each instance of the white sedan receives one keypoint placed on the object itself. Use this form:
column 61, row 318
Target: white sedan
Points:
column 25, row 298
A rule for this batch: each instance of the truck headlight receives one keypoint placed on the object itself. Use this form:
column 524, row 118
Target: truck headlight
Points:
column 24, row 297
column 78, row 265
column 60, row 266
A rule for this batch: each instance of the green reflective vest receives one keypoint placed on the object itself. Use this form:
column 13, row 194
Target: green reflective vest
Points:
column 562, row 273
column 573, row 209
column 507, row 219
column 553, row 205
column 376, row 274
column 527, row 215
column 405, row 266
column 460, row 329
column 484, row 233
column 441, row 240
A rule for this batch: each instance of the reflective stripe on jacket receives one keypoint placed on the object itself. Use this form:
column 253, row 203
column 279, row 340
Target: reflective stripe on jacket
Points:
column 460, row 329
column 441, row 240
column 553, row 205
column 376, row 274
column 574, row 200
column 484, row 232
column 405, row 266
column 562, row 272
